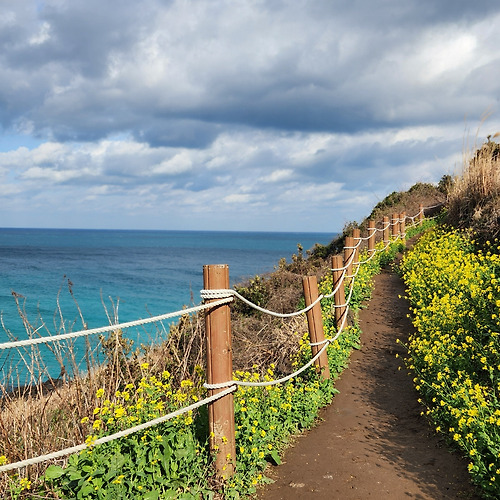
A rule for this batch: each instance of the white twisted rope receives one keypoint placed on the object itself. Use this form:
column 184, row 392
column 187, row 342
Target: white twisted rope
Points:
column 366, row 238
column 340, row 283
column 129, row 324
column 356, row 245
column 116, row 435
column 373, row 253
column 433, row 206
column 396, row 221
column 210, row 294
column 266, row 383
column 347, row 264
column 357, row 266
column 387, row 226
column 351, row 288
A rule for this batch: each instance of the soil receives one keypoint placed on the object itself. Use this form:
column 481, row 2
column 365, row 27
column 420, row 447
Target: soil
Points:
column 372, row 441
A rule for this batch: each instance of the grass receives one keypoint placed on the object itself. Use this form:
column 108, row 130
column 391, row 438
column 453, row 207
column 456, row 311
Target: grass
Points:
column 474, row 196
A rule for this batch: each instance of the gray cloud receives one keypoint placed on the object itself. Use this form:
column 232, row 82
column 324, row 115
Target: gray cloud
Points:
column 225, row 109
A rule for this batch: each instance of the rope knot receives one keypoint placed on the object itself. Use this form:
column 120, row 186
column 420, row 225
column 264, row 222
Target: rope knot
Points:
column 216, row 294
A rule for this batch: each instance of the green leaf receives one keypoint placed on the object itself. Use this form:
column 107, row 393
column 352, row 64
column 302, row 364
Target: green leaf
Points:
column 87, row 490
column 169, row 495
column 54, row 472
column 75, row 475
column 181, row 453
column 275, row 456
column 152, row 495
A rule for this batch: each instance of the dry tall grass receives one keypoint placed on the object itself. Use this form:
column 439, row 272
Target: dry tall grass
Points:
column 474, row 198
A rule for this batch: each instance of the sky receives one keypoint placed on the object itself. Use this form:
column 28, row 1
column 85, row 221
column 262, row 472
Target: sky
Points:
column 236, row 114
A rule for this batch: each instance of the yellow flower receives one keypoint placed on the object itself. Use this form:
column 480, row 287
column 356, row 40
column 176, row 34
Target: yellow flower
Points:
column 120, row 412
column 25, row 483
column 90, row 441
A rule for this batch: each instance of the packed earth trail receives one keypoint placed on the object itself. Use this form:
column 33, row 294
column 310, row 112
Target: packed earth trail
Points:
column 373, row 441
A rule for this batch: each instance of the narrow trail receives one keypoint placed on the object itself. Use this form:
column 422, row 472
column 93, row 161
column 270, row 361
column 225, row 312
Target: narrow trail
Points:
column 373, row 442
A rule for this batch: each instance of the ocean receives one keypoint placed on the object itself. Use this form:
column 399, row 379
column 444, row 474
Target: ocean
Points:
column 135, row 273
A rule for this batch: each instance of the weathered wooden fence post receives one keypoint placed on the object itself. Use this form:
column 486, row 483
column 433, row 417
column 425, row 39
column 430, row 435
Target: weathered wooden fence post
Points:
column 386, row 230
column 395, row 225
column 338, row 282
column 356, row 236
column 315, row 323
column 420, row 213
column 372, row 231
column 220, row 369
column 402, row 226
column 348, row 254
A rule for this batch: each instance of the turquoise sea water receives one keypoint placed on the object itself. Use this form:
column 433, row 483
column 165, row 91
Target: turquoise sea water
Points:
column 144, row 272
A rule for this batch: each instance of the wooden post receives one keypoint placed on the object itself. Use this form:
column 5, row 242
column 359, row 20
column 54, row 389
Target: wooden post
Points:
column 371, row 235
column 348, row 251
column 315, row 323
column 220, row 369
column 420, row 213
column 356, row 236
column 402, row 226
column 338, row 263
column 395, row 225
column 386, row 230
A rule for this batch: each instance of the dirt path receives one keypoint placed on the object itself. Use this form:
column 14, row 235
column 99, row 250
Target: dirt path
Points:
column 373, row 443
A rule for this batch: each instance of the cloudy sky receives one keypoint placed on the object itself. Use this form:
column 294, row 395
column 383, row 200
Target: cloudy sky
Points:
column 236, row 114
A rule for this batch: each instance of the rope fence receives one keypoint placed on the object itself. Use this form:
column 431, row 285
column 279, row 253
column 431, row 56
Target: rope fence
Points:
column 217, row 296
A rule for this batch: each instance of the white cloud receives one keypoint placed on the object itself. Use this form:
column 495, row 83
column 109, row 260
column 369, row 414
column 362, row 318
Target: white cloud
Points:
column 179, row 163
column 241, row 198
column 311, row 194
column 280, row 175
column 42, row 36
column 49, row 174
